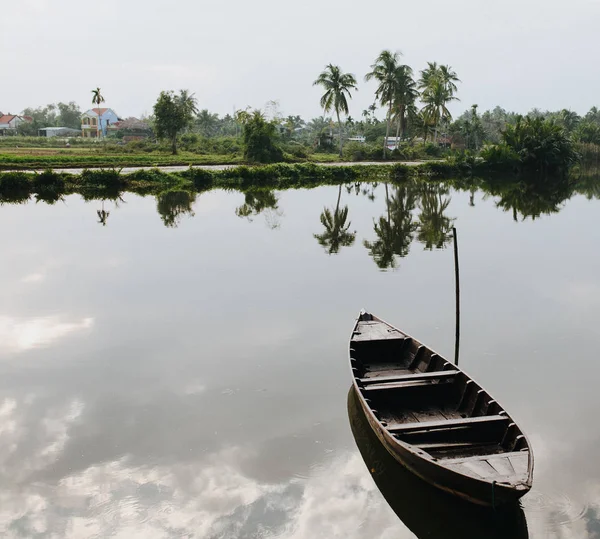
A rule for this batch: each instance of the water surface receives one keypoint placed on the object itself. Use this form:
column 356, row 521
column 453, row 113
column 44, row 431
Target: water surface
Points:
column 177, row 367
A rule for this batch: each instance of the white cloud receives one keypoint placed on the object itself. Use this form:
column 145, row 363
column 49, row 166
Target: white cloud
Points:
column 18, row 335
column 33, row 278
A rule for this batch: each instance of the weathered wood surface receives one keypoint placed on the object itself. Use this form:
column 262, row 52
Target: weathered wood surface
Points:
column 436, row 420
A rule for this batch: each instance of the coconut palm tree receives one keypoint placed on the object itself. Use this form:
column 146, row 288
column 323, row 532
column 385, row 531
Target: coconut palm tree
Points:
column 384, row 71
column 336, row 234
column 438, row 86
column 293, row 124
column 337, row 85
column 188, row 106
column 569, row 120
column 97, row 99
column 435, row 98
column 404, row 98
column 207, row 122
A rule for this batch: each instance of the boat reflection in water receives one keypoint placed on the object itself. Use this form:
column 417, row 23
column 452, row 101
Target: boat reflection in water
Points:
column 424, row 509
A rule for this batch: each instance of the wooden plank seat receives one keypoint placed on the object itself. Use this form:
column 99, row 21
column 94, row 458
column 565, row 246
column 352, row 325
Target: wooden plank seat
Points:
column 445, row 424
column 385, row 381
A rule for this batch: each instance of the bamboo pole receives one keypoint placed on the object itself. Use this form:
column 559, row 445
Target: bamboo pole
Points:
column 457, row 290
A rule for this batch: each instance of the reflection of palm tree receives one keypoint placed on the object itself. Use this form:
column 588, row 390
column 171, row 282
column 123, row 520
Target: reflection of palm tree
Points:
column 102, row 215
column 257, row 201
column 435, row 228
column 173, row 204
column 336, row 233
column 395, row 230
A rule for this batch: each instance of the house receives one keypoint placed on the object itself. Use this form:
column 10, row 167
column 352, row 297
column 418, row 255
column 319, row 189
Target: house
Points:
column 50, row 132
column 10, row 122
column 131, row 129
column 91, row 118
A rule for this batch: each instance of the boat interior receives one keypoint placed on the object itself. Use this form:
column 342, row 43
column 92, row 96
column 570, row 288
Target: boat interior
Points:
column 424, row 400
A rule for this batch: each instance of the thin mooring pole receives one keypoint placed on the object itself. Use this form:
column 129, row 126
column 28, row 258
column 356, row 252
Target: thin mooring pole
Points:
column 457, row 286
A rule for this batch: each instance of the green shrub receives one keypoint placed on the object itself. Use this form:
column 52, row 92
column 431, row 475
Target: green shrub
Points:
column 260, row 139
column 500, row 156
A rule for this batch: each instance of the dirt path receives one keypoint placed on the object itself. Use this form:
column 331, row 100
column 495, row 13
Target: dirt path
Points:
column 180, row 168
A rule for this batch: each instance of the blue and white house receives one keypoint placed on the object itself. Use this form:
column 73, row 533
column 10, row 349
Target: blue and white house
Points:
column 102, row 117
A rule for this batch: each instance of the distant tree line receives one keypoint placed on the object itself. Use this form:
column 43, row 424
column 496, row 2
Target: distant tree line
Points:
column 52, row 115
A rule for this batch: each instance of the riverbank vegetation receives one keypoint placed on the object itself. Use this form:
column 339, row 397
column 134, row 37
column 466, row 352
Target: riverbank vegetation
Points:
column 415, row 106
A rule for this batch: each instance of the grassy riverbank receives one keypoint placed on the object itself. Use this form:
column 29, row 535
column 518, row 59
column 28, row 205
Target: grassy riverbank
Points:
column 50, row 185
column 31, row 153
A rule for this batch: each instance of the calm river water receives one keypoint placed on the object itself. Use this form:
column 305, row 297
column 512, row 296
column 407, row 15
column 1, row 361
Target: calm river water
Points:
column 191, row 380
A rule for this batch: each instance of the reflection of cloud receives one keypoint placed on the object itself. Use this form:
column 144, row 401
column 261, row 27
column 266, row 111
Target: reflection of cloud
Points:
column 343, row 501
column 19, row 335
column 580, row 295
column 33, row 278
column 194, row 388
column 208, row 496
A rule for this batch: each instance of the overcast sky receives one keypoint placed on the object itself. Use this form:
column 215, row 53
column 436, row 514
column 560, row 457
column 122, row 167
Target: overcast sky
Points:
column 516, row 54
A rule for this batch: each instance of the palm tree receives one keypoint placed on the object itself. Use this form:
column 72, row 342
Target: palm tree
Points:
column 569, row 120
column 337, row 85
column 293, row 124
column 384, row 72
column 207, row 122
column 97, row 99
column 336, row 233
column 438, row 85
column 404, row 98
column 188, row 105
column 435, row 97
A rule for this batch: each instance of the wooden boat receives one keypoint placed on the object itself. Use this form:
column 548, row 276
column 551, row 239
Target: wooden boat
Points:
column 426, row 511
column 434, row 419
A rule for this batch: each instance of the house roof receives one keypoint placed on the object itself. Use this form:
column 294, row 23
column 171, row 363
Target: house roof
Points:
column 131, row 123
column 27, row 118
column 7, row 118
column 100, row 112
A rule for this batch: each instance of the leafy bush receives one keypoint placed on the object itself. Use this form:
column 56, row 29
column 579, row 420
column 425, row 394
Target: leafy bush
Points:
column 260, row 138
column 297, row 149
column 433, row 150
column 356, row 151
column 500, row 156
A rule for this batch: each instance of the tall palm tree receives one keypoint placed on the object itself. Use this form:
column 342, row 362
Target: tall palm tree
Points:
column 384, row 72
column 438, row 86
column 336, row 234
column 337, row 85
column 97, row 99
column 404, row 98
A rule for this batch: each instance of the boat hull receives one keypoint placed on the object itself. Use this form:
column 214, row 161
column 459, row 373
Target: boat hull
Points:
column 479, row 492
